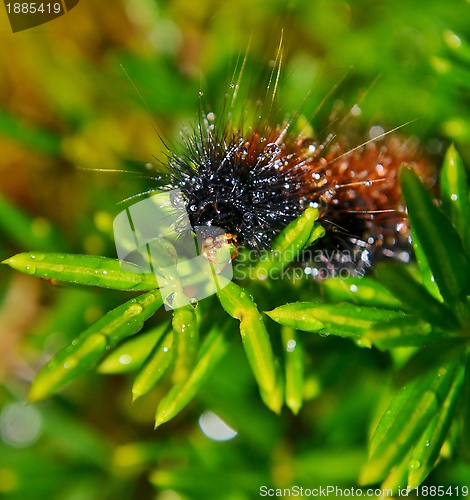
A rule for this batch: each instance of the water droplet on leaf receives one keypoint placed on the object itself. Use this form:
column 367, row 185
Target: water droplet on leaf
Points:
column 134, row 309
column 414, row 464
column 30, row 269
column 38, row 256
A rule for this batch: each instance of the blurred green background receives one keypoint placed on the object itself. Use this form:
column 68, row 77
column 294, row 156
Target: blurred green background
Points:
column 67, row 106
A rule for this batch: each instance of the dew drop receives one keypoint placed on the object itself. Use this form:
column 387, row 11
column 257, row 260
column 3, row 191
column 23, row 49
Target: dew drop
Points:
column 125, row 359
column 71, row 362
column 30, row 269
column 290, row 345
column 452, row 40
column 38, row 256
column 367, row 183
column 379, row 168
column 428, row 443
column 248, row 216
column 200, row 93
column 414, row 464
column 193, row 301
column 356, row 110
column 442, row 371
column 242, row 152
column 272, row 149
column 134, row 309
column 104, row 272
column 454, row 197
column 353, row 288
column 376, row 132
column 177, row 200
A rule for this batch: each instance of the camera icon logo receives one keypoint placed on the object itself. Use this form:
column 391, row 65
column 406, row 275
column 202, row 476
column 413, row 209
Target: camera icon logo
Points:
column 156, row 235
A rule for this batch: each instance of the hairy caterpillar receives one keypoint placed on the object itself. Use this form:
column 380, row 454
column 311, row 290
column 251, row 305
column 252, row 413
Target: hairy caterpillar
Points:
column 251, row 181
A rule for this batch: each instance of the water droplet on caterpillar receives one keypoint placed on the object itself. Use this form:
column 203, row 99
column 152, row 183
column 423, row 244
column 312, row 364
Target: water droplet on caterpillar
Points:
column 355, row 110
column 271, row 149
column 248, row 216
column 177, row 201
column 376, row 132
column 242, row 152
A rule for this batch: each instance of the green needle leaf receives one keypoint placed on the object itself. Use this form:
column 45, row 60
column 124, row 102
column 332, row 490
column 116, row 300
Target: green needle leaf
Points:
column 155, row 366
column 213, row 349
column 405, row 421
column 185, row 342
column 415, row 298
column 426, row 452
column 130, row 354
column 297, row 236
column 398, row 477
column 361, row 291
column 440, row 242
column 294, row 368
column 85, row 351
column 83, row 270
column 465, row 413
column 407, row 331
column 238, row 304
column 388, row 418
column 345, row 320
column 455, row 193
column 425, row 271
